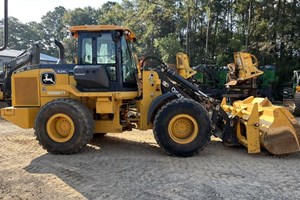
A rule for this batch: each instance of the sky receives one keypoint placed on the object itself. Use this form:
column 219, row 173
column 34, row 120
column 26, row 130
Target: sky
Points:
column 33, row 10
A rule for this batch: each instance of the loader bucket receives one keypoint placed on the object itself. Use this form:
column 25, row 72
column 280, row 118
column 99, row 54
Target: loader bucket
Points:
column 261, row 124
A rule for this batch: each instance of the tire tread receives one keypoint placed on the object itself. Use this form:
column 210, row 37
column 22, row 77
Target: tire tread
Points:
column 82, row 110
column 162, row 111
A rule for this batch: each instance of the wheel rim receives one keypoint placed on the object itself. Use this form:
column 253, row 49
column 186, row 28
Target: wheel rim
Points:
column 60, row 128
column 183, row 128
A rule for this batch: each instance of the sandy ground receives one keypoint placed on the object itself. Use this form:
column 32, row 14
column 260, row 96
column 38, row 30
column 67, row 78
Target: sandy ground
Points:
column 132, row 166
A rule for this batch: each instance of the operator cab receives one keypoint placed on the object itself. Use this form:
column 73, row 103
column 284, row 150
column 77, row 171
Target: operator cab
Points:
column 105, row 59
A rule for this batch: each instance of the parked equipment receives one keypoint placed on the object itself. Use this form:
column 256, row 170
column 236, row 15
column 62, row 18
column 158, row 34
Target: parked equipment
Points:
column 235, row 81
column 183, row 66
column 291, row 95
column 67, row 103
column 30, row 56
column 256, row 123
column 296, row 88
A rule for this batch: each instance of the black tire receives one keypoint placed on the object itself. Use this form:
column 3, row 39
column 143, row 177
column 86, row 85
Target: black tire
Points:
column 175, row 138
column 64, row 126
column 297, row 104
column 99, row 135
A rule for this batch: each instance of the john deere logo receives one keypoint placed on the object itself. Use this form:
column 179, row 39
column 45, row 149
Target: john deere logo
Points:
column 48, row 78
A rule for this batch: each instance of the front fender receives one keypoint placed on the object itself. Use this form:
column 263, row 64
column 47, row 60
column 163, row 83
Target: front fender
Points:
column 157, row 103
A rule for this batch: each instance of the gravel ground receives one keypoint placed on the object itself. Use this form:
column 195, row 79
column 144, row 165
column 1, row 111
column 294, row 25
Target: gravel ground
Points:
column 131, row 166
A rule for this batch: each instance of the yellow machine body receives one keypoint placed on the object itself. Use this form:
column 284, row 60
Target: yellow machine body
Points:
column 183, row 65
column 262, row 124
column 26, row 104
column 29, row 94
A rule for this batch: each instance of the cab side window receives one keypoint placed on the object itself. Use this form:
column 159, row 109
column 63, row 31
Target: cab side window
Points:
column 128, row 68
column 87, row 51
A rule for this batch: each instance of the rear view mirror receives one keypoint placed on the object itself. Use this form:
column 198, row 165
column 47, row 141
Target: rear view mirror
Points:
column 3, row 24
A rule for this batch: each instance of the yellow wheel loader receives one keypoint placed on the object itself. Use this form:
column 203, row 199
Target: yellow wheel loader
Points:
column 67, row 103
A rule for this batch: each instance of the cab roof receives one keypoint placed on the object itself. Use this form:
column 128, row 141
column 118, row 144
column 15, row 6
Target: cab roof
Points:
column 128, row 33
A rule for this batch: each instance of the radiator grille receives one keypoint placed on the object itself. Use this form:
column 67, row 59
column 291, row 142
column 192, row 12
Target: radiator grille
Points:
column 26, row 91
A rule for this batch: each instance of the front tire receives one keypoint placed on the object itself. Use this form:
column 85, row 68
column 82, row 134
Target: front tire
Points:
column 182, row 127
column 64, row 126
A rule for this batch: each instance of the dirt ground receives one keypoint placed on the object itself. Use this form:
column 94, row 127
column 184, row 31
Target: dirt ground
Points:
column 132, row 166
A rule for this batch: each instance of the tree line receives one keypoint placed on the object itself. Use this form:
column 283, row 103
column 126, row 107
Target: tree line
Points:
column 208, row 30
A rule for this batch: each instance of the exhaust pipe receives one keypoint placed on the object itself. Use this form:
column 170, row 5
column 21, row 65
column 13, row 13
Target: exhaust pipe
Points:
column 61, row 48
column 36, row 54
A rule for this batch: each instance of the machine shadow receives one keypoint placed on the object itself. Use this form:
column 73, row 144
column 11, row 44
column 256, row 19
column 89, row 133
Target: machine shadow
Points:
column 101, row 159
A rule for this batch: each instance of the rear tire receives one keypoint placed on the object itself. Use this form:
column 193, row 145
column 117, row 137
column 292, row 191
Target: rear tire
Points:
column 182, row 127
column 64, row 126
column 297, row 104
